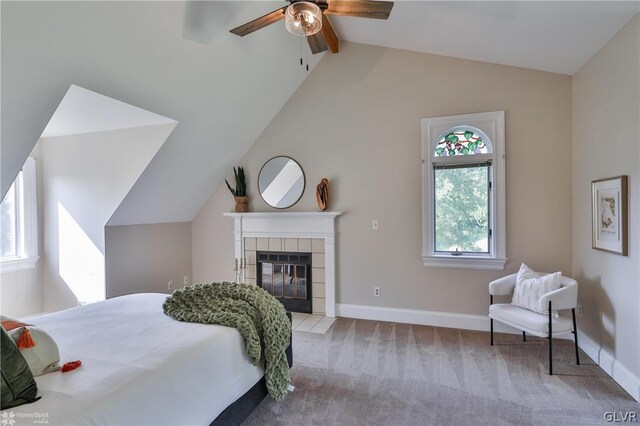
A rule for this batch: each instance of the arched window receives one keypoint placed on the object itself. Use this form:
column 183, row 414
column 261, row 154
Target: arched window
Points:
column 462, row 184
column 463, row 207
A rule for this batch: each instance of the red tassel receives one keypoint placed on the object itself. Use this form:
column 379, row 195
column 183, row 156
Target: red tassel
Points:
column 71, row 365
column 25, row 341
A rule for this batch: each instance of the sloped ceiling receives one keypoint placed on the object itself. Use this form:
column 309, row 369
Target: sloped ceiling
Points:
column 82, row 111
column 556, row 36
column 176, row 59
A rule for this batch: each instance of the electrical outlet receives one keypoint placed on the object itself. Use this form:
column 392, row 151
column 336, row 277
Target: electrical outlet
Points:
column 185, row 280
column 170, row 285
column 579, row 310
column 376, row 291
column 375, row 225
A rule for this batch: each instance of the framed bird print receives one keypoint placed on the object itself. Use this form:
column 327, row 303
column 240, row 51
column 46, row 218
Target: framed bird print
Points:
column 609, row 214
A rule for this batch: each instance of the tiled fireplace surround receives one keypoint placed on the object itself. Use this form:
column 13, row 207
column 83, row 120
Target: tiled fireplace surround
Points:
column 308, row 232
column 315, row 246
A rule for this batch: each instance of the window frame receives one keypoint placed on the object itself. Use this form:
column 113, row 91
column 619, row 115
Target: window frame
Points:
column 491, row 126
column 27, row 210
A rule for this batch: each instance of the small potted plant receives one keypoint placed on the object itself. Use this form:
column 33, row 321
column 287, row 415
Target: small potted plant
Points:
column 240, row 192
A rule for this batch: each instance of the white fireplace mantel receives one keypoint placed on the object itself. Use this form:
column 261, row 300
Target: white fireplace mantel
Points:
column 293, row 225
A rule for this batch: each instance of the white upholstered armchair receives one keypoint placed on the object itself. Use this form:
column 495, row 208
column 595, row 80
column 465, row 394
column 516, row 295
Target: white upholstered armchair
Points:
column 541, row 325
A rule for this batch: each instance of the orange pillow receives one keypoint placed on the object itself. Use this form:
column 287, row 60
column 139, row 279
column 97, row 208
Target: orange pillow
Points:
column 11, row 324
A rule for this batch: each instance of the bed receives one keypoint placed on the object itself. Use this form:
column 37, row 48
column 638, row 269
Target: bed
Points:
column 140, row 366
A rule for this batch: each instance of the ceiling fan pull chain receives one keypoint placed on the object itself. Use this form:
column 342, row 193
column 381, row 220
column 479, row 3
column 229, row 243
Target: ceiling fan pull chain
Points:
column 307, row 51
column 301, row 52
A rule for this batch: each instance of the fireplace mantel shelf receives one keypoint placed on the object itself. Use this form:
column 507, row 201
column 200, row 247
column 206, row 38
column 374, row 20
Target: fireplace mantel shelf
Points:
column 282, row 214
column 292, row 225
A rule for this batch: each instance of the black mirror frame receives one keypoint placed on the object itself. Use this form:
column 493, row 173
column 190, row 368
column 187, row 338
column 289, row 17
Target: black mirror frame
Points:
column 304, row 180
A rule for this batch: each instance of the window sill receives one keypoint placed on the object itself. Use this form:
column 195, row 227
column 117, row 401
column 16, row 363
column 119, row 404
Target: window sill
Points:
column 465, row 262
column 19, row 264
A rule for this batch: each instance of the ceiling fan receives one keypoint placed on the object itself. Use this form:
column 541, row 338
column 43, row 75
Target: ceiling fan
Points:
column 308, row 18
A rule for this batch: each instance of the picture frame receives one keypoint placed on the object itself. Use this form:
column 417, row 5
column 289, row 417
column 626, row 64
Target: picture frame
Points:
column 609, row 214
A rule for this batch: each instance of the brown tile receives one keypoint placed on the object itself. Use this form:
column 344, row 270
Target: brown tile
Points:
column 251, row 257
column 318, row 290
column 317, row 260
column 319, row 330
column 318, row 275
column 304, row 245
column 317, row 245
column 250, row 272
column 250, row 244
column 312, row 320
column 319, row 305
column 262, row 244
column 275, row 244
column 291, row 244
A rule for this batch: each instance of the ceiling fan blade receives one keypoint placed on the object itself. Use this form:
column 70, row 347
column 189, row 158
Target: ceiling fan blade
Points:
column 261, row 22
column 330, row 35
column 317, row 43
column 360, row 8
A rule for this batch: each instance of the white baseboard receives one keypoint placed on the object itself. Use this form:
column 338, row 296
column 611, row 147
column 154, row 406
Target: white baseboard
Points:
column 432, row 318
column 625, row 378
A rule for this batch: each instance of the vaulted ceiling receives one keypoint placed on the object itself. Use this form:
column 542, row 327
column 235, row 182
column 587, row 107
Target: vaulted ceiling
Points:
column 556, row 36
column 177, row 59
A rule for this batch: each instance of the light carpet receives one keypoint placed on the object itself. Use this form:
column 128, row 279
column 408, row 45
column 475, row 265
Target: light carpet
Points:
column 378, row 373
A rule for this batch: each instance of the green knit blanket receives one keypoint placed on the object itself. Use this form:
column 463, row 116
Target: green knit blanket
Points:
column 259, row 317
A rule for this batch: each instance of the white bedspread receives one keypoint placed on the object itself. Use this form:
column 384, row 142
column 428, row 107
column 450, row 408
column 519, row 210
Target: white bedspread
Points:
column 139, row 367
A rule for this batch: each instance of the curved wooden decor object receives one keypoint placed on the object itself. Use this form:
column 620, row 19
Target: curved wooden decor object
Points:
column 322, row 194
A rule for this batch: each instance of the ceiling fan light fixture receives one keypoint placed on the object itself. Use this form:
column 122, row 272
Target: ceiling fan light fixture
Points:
column 303, row 18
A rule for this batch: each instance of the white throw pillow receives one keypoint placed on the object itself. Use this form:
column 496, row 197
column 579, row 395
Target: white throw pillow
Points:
column 531, row 286
column 44, row 356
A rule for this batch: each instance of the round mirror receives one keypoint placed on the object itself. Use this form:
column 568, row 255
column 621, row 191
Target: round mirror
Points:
column 281, row 182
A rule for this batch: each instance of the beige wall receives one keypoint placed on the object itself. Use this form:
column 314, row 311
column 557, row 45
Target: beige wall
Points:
column 85, row 178
column 606, row 125
column 21, row 292
column 356, row 120
column 212, row 239
column 144, row 258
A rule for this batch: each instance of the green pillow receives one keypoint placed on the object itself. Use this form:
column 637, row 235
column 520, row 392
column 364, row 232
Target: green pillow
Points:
column 18, row 385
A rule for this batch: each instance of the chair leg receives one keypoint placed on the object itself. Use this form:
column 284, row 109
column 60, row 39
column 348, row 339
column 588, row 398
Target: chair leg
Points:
column 550, row 342
column 524, row 337
column 491, row 321
column 491, row 331
column 575, row 335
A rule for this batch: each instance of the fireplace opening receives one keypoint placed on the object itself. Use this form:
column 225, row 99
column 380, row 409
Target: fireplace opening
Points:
column 287, row 277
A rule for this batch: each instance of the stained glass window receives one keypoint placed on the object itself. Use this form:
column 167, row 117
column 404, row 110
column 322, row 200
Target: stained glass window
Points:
column 461, row 183
column 461, row 142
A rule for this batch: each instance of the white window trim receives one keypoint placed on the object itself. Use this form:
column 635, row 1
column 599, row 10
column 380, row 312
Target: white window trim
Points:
column 28, row 256
column 492, row 124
